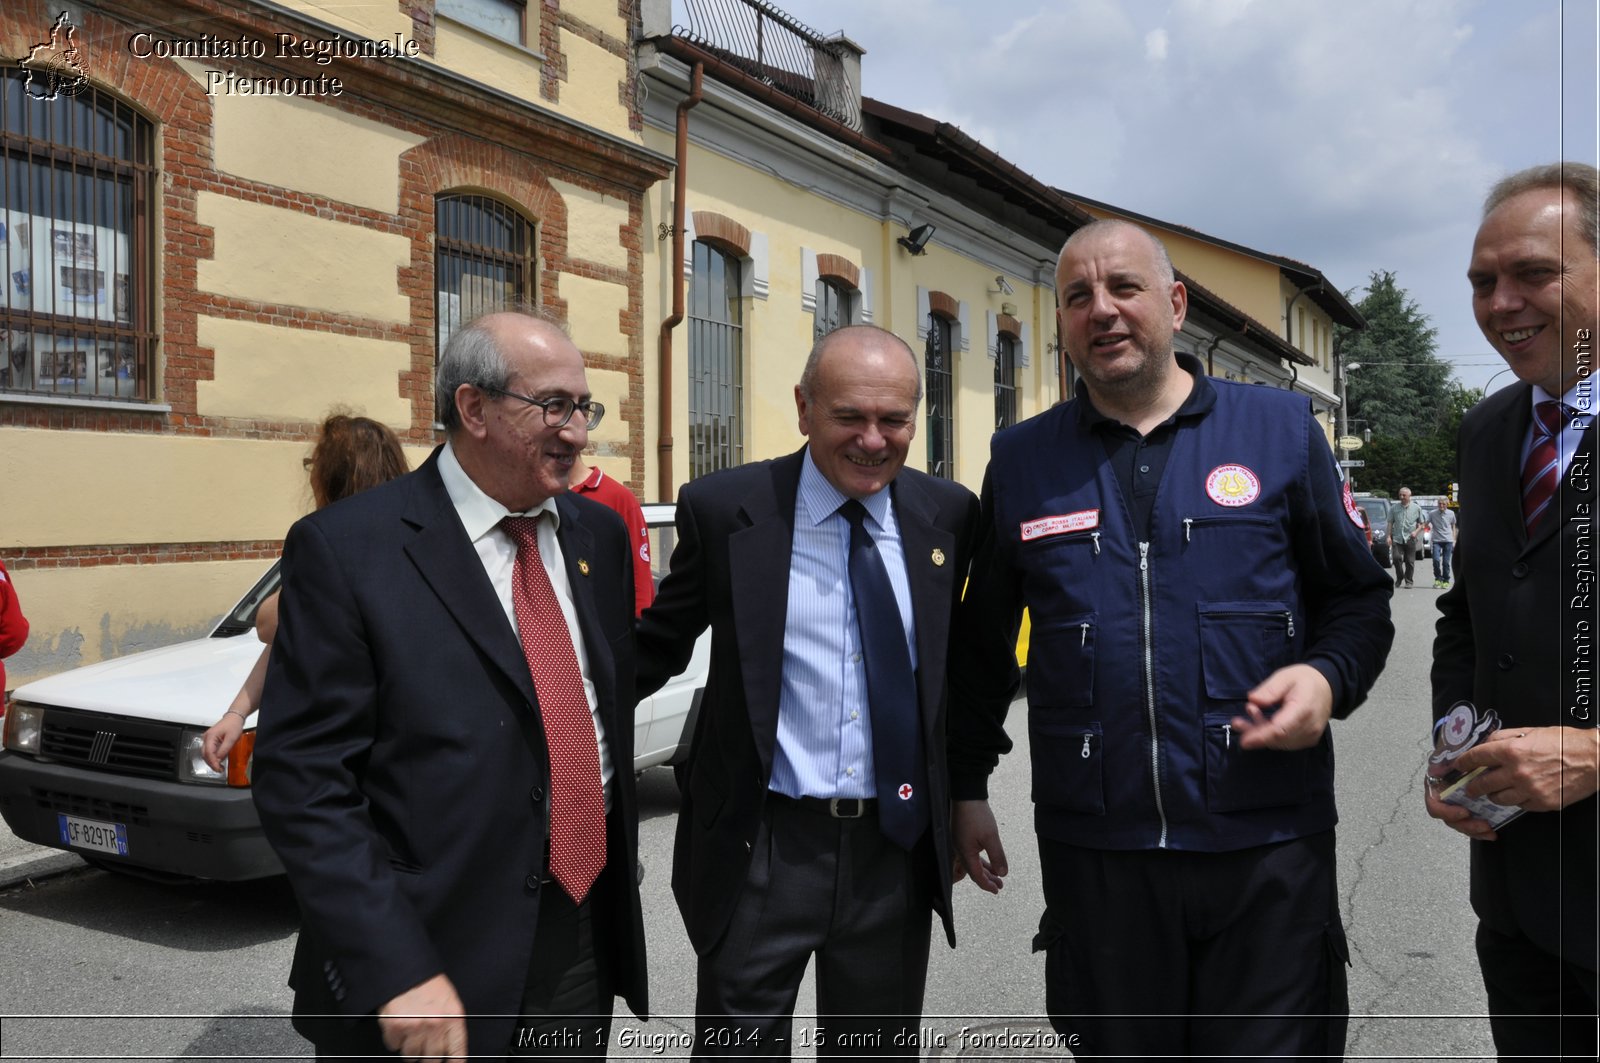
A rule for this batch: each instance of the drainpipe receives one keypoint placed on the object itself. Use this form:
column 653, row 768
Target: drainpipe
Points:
column 664, row 490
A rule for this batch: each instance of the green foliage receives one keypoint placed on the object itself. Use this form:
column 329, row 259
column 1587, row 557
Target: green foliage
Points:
column 1403, row 394
column 1402, row 388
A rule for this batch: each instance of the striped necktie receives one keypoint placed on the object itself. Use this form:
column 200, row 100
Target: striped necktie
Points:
column 1542, row 471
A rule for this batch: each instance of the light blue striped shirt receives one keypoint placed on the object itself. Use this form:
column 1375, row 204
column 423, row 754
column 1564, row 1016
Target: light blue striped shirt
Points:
column 824, row 724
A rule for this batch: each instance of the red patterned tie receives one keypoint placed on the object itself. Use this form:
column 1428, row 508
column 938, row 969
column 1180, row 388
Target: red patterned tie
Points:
column 577, row 803
column 1543, row 467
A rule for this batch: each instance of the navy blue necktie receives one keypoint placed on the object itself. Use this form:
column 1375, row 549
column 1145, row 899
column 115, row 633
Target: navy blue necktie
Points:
column 897, row 760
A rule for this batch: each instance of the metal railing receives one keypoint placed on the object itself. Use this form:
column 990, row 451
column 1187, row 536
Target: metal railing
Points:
column 778, row 49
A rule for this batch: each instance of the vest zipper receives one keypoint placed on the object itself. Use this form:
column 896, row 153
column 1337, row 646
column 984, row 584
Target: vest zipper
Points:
column 1150, row 686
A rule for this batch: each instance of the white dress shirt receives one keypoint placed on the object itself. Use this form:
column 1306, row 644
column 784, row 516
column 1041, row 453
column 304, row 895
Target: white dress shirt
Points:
column 481, row 516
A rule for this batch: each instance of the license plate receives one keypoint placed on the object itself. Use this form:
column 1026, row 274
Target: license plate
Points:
column 93, row 834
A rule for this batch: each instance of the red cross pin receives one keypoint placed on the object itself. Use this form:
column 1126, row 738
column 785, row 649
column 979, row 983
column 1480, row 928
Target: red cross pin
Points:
column 904, row 791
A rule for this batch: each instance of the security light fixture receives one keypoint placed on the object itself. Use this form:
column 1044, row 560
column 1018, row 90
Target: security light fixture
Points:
column 916, row 241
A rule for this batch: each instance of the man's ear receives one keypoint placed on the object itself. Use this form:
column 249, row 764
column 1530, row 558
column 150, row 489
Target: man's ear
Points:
column 471, row 403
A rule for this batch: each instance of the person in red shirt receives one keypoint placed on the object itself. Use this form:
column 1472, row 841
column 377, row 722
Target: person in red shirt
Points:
column 13, row 625
column 600, row 487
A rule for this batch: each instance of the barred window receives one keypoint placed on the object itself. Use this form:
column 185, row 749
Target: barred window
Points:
column 940, row 362
column 77, row 201
column 716, row 361
column 835, row 307
column 498, row 18
column 483, row 259
column 1005, row 381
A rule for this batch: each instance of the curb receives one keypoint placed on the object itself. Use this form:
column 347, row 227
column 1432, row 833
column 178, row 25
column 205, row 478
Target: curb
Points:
column 16, row 870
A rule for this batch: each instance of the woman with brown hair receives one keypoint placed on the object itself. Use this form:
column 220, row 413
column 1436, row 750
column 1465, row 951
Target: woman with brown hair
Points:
column 351, row 455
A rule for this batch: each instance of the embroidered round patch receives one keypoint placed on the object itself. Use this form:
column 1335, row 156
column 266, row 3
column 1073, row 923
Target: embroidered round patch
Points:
column 1233, row 485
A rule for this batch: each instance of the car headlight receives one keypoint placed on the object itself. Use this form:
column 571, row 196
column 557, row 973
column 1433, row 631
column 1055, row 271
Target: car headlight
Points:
column 192, row 767
column 23, row 728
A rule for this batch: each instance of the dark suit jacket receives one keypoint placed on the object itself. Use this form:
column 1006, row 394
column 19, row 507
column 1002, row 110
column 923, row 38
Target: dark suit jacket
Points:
column 400, row 765
column 730, row 570
column 1518, row 635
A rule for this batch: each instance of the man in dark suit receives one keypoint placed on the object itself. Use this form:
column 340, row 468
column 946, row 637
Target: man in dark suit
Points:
column 444, row 763
column 1518, row 629
column 815, row 818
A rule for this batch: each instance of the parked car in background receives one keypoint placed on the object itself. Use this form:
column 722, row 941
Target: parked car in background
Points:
column 1377, row 514
column 104, row 760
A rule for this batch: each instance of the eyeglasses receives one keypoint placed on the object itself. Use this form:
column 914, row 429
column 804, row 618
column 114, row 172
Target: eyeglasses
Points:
column 559, row 410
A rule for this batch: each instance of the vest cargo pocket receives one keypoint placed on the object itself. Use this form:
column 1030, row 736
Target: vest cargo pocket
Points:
column 1066, row 758
column 1241, row 643
column 1061, row 660
column 1240, row 779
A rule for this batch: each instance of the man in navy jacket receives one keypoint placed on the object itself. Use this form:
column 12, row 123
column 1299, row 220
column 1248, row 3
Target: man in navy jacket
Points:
column 1201, row 604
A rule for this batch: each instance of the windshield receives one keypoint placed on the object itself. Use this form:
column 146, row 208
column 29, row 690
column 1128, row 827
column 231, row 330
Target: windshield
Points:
column 243, row 616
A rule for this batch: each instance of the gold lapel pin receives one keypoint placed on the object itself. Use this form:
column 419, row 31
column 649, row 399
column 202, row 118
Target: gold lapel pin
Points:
column 938, row 557
column 583, row 566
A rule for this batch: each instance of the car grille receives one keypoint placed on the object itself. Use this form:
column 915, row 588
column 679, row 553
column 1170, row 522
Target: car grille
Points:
column 111, row 743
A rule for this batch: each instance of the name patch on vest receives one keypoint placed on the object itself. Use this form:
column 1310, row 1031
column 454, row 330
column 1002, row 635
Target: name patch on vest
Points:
column 1060, row 525
column 1233, row 485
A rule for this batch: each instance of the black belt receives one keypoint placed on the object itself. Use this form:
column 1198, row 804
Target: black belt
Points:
column 837, row 807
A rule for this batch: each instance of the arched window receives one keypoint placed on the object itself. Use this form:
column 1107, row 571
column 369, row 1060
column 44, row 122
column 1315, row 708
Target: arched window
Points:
column 939, row 358
column 483, row 260
column 716, row 360
column 1005, row 381
column 835, row 305
column 77, row 308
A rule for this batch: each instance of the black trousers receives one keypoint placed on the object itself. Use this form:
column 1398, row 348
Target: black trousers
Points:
column 1541, row 1006
column 835, row 889
column 1155, row 954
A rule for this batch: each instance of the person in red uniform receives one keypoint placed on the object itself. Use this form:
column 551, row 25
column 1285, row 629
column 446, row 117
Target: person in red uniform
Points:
column 600, row 487
column 13, row 625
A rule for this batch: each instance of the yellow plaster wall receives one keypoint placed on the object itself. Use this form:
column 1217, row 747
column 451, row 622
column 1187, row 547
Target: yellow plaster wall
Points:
column 592, row 92
column 488, row 59
column 609, row 388
column 601, row 14
column 144, row 488
column 79, row 616
column 594, row 225
column 594, row 309
column 376, row 18
column 267, row 372
column 261, row 254
column 296, row 143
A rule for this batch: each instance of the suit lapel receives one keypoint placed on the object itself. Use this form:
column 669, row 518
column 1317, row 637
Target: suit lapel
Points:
column 1503, row 462
column 577, row 551
column 758, row 570
column 452, row 569
column 930, row 555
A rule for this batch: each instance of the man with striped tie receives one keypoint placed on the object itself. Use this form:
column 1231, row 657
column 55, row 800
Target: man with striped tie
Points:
column 1518, row 629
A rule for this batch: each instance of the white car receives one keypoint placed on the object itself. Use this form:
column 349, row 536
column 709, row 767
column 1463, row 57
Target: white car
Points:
column 104, row 760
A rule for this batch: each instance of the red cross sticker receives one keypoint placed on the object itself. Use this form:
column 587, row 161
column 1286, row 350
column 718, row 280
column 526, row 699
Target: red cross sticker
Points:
column 904, row 791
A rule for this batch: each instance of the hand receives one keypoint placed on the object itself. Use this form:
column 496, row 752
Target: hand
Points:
column 1457, row 818
column 1304, row 700
column 219, row 738
column 973, row 831
column 426, row 1022
column 1541, row 769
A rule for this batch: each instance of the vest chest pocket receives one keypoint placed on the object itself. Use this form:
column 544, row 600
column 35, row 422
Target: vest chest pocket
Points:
column 1067, row 761
column 1240, row 779
column 1061, row 660
column 1241, row 643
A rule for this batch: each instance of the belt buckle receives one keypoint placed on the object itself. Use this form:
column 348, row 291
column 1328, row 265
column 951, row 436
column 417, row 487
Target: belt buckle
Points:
column 833, row 807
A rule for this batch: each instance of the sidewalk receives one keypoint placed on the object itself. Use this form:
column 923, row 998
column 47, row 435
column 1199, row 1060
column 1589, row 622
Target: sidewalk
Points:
column 21, row 861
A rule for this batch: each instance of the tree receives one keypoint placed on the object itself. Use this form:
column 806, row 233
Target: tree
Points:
column 1426, row 464
column 1402, row 389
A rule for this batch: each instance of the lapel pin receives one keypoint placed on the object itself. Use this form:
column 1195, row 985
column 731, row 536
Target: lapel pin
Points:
column 938, row 557
column 583, row 566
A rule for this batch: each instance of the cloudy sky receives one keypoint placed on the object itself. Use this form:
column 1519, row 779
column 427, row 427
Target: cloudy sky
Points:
column 1356, row 135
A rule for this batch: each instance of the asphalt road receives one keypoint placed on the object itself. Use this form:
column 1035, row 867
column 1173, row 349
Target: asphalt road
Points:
column 110, row 967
